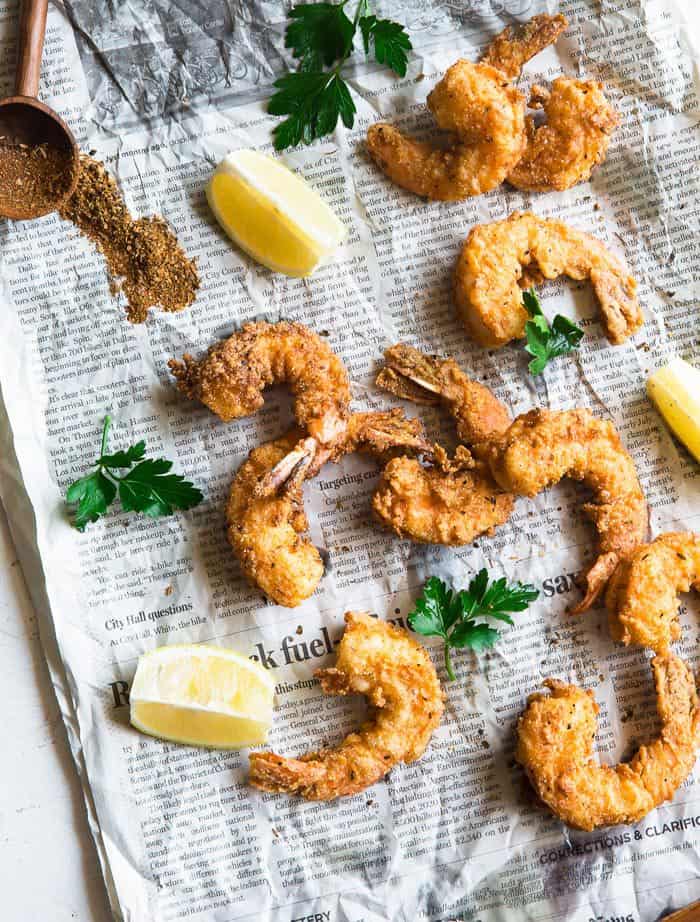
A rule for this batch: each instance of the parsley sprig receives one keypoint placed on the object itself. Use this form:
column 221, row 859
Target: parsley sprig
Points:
column 320, row 35
column 442, row 612
column 147, row 487
column 543, row 341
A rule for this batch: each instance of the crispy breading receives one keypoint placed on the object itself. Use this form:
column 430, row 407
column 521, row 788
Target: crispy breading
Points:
column 413, row 375
column 642, row 596
column 477, row 104
column 231, row 378
column 555, row 747
column 513, row 47
column 265, row 514
column 267, row 532
column 438, row 507
column 543, row 446
column 573, row 140
column 394, row 672
column 499, row 259
column 455, row 500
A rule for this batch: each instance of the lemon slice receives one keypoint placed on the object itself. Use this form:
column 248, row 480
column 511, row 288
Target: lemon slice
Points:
column 202, row 696
column 272, row 214
column 675, row 389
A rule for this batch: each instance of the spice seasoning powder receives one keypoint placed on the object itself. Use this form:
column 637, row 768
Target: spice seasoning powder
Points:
column 143, row 256
column 33, row 175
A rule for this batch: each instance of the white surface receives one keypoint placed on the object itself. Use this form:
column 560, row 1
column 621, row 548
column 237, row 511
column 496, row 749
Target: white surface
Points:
column 48, row 865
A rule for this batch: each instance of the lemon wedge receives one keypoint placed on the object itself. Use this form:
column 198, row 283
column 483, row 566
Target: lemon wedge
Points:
column 272, row 214
column 675, row 389
column 202, row 696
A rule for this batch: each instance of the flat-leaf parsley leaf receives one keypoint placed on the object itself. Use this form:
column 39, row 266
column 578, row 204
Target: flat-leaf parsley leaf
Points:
column 545, row 342
column 148, row 487
column 443, row 612
column 320, row 35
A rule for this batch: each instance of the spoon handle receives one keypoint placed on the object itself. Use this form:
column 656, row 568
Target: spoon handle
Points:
column 32, row 26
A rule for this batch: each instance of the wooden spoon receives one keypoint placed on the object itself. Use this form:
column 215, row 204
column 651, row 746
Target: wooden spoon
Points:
column 24, row 120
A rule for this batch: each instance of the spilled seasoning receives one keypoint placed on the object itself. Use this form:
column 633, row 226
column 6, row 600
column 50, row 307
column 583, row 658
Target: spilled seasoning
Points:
column 143, row 256
column 32, row 177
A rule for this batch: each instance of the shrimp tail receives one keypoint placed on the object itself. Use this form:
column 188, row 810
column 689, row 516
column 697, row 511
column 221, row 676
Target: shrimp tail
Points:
column 291, row 471
column 270, row 772
column 386, row 434
column 512, row 48
column 410, row 375
column 596, row 581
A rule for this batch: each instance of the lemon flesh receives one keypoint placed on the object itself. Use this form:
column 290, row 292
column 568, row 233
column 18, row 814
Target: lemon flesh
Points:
column 675, row 389
column 202, row 695
column 272, row 214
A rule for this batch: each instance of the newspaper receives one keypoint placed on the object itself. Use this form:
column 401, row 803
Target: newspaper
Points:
column 161, row 92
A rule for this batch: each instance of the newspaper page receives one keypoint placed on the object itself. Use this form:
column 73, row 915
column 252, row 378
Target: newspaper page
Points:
column 160, row 93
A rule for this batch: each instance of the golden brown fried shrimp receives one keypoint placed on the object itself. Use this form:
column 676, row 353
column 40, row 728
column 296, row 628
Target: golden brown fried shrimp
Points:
column 512, row 48
column 642, row 595
column 499, row 259
column 266, row 524
column 543, row 446
column 413, row 375
column 437, row 506
column 266, row 532
column 477, row 104
column 574, row 139
column 230, row 380
column 455, row 501
column 555, row 747
column 406, row 702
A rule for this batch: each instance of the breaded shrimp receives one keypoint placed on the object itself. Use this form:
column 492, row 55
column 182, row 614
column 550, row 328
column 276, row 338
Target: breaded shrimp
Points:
column 543, row 446
column 437, row 506
column 452, row 502
column 574, row 139
column 231, row 378
column 642, row 595
column 555, row 747
column 499, row 259
column 477, row 104
column 413, row 375
column 266, row 532
column 266, row 525
column 512, row 48
column 406, row 702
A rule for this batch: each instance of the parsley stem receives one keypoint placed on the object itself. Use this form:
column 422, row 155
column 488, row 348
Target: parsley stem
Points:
column 105, row 432
column 448, row 663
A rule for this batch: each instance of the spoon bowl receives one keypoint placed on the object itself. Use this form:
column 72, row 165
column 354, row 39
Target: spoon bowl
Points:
column 38, row 153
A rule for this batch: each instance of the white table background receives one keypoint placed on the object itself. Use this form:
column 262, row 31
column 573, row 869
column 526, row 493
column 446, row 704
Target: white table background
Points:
column 48, row 865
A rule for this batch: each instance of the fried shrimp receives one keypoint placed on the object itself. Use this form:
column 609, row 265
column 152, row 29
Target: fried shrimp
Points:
column 642, row 595
column 396, row 675
column 479, row 107
column 513, row 48
column 266, row 532
column 413, row 375
column 438, row 505
column 499, row 259
column 267, row 525
column 555, row 747
column 574, row 139
column 543, row 446
column 231, row 378
column 454, row 501
column 477, row 104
